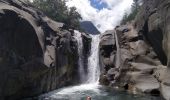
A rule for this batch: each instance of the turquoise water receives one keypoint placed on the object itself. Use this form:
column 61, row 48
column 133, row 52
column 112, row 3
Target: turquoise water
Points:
column 96, row 92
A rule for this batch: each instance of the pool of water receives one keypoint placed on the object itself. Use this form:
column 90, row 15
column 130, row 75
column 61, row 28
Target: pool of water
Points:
column 96, row 92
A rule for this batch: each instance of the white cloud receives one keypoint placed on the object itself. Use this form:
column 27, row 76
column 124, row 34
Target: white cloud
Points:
column 31, row 0
column 106, row 18
column 111, row 3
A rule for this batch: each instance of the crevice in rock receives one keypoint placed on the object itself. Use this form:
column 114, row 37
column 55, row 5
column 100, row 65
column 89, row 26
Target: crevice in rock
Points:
column 155, row 38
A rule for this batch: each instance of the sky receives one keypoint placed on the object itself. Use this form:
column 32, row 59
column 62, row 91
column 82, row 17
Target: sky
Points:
column 104, row 14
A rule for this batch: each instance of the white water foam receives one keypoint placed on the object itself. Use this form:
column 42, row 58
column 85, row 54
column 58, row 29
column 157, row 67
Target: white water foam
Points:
column 93, row 61
column 78, row 37
column 93, row 70
column 83, row 87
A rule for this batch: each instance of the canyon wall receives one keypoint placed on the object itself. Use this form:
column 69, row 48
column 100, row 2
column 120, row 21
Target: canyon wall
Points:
column 36, row 54
column 144, row 52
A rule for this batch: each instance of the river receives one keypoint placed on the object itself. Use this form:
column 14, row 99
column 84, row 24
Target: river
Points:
column 96, row 92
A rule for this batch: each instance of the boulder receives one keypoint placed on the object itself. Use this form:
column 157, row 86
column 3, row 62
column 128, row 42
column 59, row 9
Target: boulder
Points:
column 162, row 74
column 107, row 38
column 147, row 84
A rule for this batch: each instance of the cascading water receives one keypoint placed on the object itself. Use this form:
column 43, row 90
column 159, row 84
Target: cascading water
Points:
column 93, row 61
column 78, row 37
column 89, row 86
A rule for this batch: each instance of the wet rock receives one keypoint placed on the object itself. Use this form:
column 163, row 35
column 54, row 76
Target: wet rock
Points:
column 86, row 43
column 86, row 38
column 112, row 74
column 103, row 80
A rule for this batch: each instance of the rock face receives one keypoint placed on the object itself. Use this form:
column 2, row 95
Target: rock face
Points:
column 36, row 54
column 154, row 21
column 128, row 61
column 144, row 52
column 109, row 57
column 88, row 27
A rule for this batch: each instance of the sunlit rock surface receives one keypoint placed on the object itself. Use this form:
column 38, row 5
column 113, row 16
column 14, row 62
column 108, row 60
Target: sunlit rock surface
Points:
column 129, row 61
column 144, row 46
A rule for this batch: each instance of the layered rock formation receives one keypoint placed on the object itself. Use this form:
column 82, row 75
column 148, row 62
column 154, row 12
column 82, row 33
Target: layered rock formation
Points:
column 36, row 54
column 154, row 20
column 129, row 62
column 144, row 51
column 109, row 57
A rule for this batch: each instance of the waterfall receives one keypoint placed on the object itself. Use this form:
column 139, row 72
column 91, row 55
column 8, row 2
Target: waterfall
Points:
column 93, row 70
column 93, row 61
column 90, row 87
column 78, row 37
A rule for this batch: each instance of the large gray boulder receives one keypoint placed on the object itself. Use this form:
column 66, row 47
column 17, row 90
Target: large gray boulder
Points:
column 36, row 54
column 162, row 74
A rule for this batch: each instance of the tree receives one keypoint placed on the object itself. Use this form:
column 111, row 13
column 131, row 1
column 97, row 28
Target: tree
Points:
column 58, row 11
column 134, row 11
column 73, row 15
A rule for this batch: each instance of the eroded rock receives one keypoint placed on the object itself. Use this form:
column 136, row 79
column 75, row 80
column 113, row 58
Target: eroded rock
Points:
column 36, row 54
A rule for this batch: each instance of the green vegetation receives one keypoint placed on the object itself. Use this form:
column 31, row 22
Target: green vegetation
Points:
column 134, row 11
column 58, row 11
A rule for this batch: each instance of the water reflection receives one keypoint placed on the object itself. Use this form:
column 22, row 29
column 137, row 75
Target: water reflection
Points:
column 96, row 92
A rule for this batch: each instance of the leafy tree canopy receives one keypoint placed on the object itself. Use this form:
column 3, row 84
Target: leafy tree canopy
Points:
column 134, row 11
column 58, row 11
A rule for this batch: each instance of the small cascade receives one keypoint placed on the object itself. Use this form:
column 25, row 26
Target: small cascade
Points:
column 82, row 74
column 118, row 58
column 93, row 61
